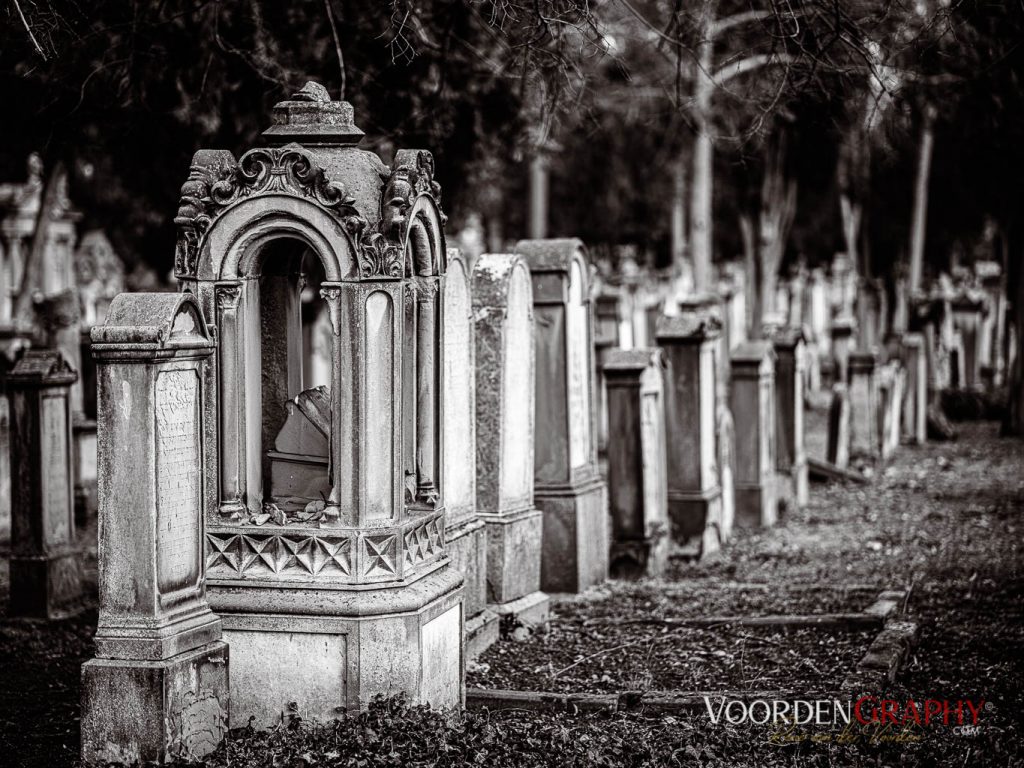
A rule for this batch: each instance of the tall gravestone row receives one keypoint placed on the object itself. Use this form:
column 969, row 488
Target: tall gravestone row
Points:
column 323, row 510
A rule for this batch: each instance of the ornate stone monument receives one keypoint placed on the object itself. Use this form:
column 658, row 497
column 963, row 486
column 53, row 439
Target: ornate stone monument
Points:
column 326, row 527
column 466, row 533
column 158, row 687
column 567, row 484
column 45, row 565
column 690, row 343
column 790, row 457
column 503, row 320
column 637, row 468
column 752, row 393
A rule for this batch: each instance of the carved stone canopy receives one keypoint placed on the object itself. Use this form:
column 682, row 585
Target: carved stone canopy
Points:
column 42, row 368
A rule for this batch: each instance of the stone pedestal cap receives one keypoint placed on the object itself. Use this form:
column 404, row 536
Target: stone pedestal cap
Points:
column 623, row 362
column 843, row 326
column 42, row 368
column 693, row 328
column 554, row 255
column 310, row 117
column 752, row 359
column 864, row 360
column 151, row 325
column 788, row 337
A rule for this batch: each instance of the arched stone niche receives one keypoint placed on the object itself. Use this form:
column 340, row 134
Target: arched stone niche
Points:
column 329, row 504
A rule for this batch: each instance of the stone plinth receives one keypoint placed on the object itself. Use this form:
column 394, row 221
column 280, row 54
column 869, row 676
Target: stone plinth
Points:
column 637, row 470
column 326, row 526
column 690, row 343
column 752, row 396
column 503, row 322
column 158, row 687
column 838, row 447
column 915, row 398
column 45, row 565
column 864, row 403
column 790, row 456
column 466, row 532
column 567, row 484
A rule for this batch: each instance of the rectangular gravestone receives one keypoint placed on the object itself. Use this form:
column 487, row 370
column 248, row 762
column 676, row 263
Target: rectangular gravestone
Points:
column 838, row 447
column 752, row 393
column 690, row 343
column 45, row 563
column 466, row 532
column 915, row 398
column 567, row 483
column 504, row 346
column 864, row 403
column 158, row 687
column 790, row 455
column 637, row 470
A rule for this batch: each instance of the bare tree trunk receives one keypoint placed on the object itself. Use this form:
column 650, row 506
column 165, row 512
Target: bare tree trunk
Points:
column 778, row 207
column 678, row 216
column 703, row 154
column 538, row 195
column 750, row 272
column 918, row 225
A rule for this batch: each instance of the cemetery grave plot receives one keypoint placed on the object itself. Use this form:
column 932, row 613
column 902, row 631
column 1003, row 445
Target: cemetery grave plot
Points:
column 613, row 658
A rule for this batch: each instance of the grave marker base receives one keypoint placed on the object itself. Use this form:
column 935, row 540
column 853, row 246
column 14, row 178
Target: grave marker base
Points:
column 575, row 551
column 155, row 711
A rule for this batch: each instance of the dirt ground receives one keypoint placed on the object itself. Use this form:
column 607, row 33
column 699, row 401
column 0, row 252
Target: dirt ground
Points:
column 943, row 520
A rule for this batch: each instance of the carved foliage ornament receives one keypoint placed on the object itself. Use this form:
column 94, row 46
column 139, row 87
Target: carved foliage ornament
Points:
column 216, row 182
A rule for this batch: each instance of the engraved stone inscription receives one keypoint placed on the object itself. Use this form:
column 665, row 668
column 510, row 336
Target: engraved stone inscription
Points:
column 179, row 497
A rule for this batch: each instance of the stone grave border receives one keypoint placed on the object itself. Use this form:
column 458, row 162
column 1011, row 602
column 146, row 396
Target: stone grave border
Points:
column 885, row 656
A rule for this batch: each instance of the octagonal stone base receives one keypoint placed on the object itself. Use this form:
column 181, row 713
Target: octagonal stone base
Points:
column 756, row 505
column 319, row 652
column 137, row 712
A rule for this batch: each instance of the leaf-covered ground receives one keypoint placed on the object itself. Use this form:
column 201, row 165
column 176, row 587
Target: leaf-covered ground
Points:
column 944, row 519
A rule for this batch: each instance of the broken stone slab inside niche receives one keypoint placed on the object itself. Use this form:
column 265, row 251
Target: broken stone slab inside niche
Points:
column 299, row 461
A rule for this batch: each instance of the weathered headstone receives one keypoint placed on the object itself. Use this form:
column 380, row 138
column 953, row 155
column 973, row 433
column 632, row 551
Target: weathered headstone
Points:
column 752, row 397
column 790, row 456
column 637, row 470
column 158, row 687
column 344, row 591
column 690, row 342
column 45, row 564
column 915, row 400
column 864, row 403
column 968, row 315
column 503, row 322
column 837, row 451
column 466, row 533
column 606, row 338
column 567, row 484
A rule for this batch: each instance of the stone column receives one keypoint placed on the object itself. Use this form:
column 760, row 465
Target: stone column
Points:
column 231, row 446
column 915, row 400
column 864, row 403
column 465, row 530
column 45, row 564
column 694, row 492
column 837, row 451
column 637, row 469
column 504, row 343
column 158, row 687
column 752, row 393
column 606, row 338
column 790, row 457
column 567, row 483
